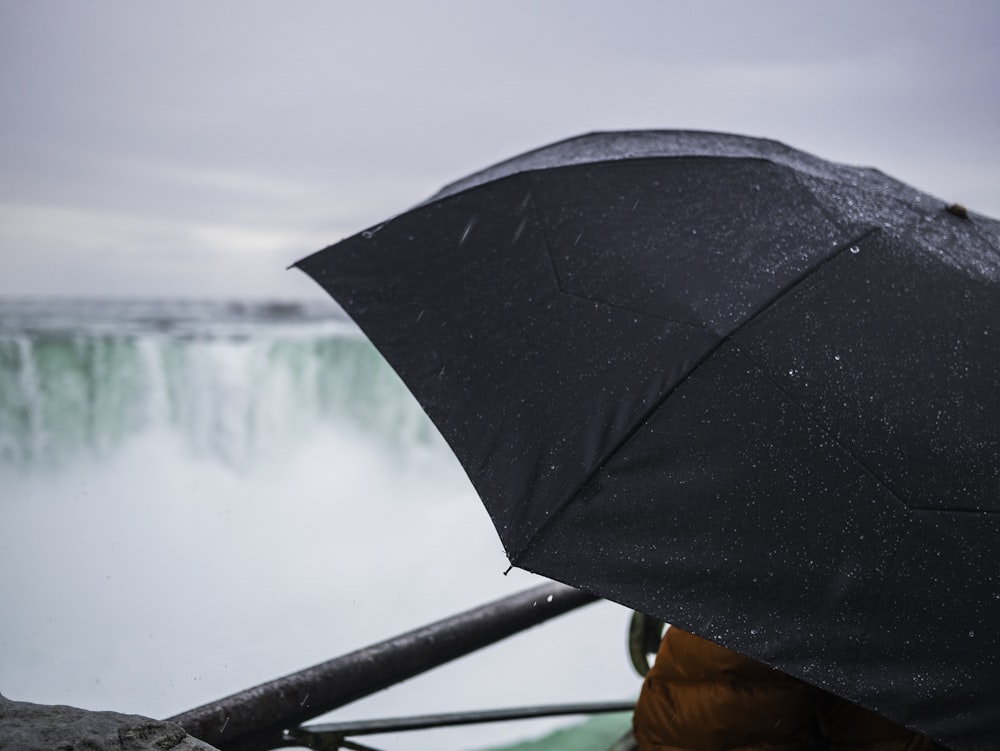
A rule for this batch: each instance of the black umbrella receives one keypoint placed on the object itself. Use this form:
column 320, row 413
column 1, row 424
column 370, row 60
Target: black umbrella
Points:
column 727, row 384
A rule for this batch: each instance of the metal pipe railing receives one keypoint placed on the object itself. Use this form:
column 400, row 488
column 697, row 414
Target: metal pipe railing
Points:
column 256, row 718
column 333, row 734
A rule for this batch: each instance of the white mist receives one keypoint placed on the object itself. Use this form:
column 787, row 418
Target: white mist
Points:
column 189, row 560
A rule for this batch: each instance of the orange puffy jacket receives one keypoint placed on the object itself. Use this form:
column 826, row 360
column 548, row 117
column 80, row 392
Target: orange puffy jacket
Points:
column 699, row 696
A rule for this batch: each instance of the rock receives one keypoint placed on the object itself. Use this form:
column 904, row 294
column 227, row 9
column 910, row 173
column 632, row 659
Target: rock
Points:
column 40, row 727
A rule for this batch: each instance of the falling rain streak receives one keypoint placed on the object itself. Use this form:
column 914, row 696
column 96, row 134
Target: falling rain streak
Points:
column 468, row 229
column 518, row 231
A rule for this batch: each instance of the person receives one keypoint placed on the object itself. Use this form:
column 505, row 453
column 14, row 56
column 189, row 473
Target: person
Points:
column 699, row 696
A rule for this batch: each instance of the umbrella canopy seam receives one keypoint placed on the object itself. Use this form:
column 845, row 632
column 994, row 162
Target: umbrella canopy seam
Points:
column 953, row 511
column 825, row 429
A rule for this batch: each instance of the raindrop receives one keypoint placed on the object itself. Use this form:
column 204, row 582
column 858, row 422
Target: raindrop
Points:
column 855, row 249
column 548, row 599
column 468, row 229
column 972, row 633
column 791, row 372
column 836, row 357
column 577, row 239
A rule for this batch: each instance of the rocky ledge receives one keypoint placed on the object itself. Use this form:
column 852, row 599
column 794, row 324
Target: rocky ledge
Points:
column 40, row 727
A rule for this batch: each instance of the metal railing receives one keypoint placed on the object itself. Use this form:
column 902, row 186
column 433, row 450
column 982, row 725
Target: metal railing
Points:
column 336, row 735
column 270, row 715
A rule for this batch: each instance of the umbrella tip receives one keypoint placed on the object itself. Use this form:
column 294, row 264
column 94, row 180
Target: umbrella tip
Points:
column 958, row 210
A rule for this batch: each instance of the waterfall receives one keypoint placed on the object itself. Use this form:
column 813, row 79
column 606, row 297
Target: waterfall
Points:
column 83, row 379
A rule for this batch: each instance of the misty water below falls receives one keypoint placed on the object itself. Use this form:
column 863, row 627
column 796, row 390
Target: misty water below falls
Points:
column 198, row 497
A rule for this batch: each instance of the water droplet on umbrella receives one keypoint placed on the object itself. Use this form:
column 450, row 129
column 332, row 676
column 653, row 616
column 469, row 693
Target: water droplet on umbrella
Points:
column 855, row 249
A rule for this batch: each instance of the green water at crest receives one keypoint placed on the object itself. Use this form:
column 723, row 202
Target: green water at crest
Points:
column 595, row 734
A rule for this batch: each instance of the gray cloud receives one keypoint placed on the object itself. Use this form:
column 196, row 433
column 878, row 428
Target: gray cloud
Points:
column 192, row 148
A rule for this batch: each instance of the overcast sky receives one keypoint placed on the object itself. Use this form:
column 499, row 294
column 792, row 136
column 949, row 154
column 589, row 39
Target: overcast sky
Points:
column 195, row 148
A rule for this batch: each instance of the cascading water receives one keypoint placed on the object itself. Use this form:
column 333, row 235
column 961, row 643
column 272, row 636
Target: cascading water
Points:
column 196, row 497
column 234, row 386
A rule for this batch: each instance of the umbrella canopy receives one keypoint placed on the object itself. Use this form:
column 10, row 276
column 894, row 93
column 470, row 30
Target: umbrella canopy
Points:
column 727, row 384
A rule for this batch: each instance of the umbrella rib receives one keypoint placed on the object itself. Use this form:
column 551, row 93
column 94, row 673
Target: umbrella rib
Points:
column 537, row 534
